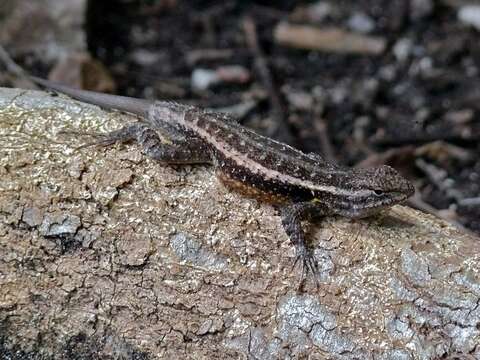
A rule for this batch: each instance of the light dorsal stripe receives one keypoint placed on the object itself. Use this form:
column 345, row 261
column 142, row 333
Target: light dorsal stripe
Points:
column 257, row 141
column 255, row 167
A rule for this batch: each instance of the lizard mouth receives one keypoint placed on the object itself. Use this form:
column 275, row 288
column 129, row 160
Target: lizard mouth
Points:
column 366, row 211
column 393, row 198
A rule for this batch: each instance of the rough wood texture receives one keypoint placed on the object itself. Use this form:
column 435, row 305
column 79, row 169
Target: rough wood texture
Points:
column 106, row 254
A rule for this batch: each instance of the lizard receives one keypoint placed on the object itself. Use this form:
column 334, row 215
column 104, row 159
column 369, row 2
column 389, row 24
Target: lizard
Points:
column 303, row 186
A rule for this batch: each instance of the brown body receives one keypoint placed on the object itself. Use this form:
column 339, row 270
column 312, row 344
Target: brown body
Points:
column 305, row 184
column 277, row 172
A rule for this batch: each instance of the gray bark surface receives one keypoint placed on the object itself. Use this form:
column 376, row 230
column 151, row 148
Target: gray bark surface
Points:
column 105, row 253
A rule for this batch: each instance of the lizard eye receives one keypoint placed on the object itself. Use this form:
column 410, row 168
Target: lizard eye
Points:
column 378, row 192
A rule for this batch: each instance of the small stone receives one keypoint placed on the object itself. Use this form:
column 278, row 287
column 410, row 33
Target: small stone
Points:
column 470, row 15
column 145, row 57
column 402, row 49
column 319, row 11
column 202, row 79
column 361, row 23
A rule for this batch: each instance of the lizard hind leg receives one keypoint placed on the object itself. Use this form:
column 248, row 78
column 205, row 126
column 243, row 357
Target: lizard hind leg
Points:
column 179, row 150
column 173, row 149
column 125, row 134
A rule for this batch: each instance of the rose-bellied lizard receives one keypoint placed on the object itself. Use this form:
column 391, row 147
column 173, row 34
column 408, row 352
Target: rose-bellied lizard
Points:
column 304, row 186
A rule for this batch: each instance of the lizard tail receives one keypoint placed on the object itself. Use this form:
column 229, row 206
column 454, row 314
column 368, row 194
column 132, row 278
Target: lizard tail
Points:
column 122, row 103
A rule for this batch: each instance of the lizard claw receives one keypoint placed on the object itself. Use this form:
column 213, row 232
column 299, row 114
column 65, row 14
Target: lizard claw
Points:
column 100, row 142
column 100, row 139
column 308, row 264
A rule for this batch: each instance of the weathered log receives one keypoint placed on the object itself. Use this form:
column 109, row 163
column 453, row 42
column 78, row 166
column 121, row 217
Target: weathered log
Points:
column 105, row 253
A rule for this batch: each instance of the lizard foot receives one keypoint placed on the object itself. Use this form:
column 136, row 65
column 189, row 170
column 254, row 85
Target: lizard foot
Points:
column 307, row 261
column 124, row 134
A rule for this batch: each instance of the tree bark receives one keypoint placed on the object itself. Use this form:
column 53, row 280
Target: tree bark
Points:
column 105, row 253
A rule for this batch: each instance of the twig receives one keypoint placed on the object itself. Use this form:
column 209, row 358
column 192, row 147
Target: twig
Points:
column 334, row 40
column 321, row 127
column 12, row 67
column 281, row 132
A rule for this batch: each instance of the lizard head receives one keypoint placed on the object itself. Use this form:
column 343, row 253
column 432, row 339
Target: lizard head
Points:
column 368, row 191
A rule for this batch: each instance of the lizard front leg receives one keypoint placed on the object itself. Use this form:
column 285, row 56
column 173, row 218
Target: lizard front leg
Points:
column 179, row 150
column 292, row 217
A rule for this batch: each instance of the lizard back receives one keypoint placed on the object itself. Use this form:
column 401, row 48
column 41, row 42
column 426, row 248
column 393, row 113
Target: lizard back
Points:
column 249, row 162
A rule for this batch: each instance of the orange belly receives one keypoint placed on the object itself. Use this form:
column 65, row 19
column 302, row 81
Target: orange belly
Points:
column 251, row 191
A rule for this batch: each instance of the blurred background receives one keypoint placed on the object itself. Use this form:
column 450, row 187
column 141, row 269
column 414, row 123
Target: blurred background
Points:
column 362, row 82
